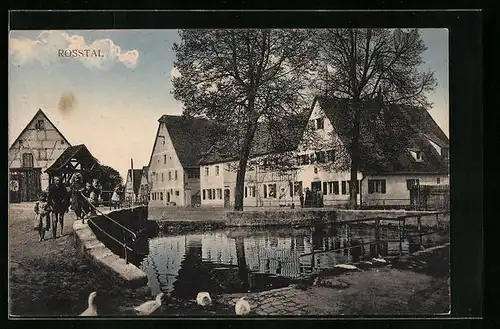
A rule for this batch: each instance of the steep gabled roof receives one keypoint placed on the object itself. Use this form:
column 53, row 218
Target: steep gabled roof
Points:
column 137, row 179
column 77, row 151
column 381, row 151
column 39, row 112
column 191, row 137
column 264, row 143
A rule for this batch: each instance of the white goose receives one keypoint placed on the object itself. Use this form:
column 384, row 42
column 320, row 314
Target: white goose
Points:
column 150, row 306
column 203, row 299
column 242, row 307
column 91, row 310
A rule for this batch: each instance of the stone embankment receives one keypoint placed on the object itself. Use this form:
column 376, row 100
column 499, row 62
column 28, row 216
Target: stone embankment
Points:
column 103, row 257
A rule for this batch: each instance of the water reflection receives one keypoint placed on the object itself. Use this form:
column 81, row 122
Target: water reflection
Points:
column 237, row 260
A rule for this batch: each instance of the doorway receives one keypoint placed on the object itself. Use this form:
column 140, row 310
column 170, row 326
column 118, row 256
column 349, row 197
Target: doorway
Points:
column 227, row 197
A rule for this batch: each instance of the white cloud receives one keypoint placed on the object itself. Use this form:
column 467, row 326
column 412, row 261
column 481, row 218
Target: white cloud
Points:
column 45, row 50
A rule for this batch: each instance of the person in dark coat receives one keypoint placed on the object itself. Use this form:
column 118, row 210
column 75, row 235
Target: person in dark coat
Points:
column 58, row 198
column 308, row 200
column 77, row 188
column 301, row 197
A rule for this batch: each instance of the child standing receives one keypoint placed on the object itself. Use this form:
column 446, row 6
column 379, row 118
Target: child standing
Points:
column 42, row 211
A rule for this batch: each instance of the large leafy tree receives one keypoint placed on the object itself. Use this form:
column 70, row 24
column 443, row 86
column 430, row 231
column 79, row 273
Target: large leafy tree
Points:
column 361, row 65
column 108, row 177
column 242, row 79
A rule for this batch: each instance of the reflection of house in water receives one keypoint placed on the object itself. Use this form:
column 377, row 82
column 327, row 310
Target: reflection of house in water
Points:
column 163, row 262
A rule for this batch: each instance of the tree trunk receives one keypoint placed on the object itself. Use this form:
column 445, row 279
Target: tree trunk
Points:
column 242, row 166
column 353, row 188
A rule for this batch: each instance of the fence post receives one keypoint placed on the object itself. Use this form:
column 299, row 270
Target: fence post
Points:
column 419, row 227
column 125, row 246
column 377, row 236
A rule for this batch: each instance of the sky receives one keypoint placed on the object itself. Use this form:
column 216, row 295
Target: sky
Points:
column 112, row 105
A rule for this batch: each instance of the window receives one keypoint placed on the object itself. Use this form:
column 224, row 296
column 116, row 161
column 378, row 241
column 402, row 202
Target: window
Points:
column 216, row 170
column 28, row 160
column 330, row 156
column 376, row 186
column 162, row 177
column 219, row 193
column 344, row 187
column 418, row 155
column 265, row 191
column 207, row 171
column 204, row 195
column 297, row 188
column 333, row 188
column 438, row 180
column 42, row 154
column 246, row 192
column 315, row 170
column 321, row 157
column 410, row 183
column 272, row 190
column 164, row 159
column 176, row 175
column 161, row 196
column 156, row 175
column 209, row 194
column 320, row 123
column 325, row 188
column 213, row 194
column 177, row 193
column 62, row 141
column 169, row 175
column 152, row 196
column 40, row 125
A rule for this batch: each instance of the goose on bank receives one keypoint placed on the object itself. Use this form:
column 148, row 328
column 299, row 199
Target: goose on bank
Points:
column 150, row 306
column 91, row 310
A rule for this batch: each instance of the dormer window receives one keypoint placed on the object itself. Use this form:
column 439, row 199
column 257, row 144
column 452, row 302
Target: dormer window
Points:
column 417, row 155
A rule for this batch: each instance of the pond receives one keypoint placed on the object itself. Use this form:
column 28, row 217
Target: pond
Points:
column 255, row 259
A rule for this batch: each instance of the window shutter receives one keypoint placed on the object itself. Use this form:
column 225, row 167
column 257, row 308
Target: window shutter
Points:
column 383, row 185
column 371, row 187
column 246, row 192
column 265, row 191
column 290, row 187
column 343, row 187
column 204, row 195
column 325, row 188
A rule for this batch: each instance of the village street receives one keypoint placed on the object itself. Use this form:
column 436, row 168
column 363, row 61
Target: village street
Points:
column 52, row 278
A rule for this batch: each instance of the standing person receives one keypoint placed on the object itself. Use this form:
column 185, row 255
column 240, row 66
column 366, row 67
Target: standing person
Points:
column 42, row 210
column 94, row 196
column 115, row 198
column 77, row 189
column 308, row 198
column 301, row 197
column 282, row 200
column 86, row 207
column 58, row 200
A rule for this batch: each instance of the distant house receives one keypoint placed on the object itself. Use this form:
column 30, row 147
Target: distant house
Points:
column 145, row 187
column 133, row 184
column 34, row 150
column 387, row 169
column 174, row 172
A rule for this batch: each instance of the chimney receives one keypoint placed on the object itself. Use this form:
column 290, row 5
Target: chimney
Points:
column 132, row 174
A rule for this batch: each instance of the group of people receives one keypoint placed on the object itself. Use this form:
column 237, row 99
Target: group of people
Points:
column 54, row 203
column 309, row 199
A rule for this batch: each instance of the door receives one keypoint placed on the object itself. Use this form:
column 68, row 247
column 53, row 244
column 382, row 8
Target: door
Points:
column 315, row 187
column 227, row 197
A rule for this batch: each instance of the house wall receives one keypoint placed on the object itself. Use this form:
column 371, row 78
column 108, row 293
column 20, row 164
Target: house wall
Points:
column 164, row 164
column 39, row 143
column 396, row 188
